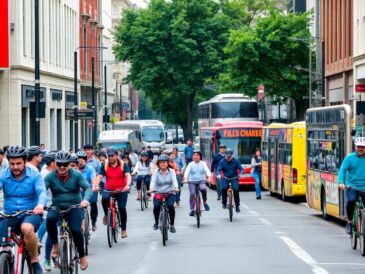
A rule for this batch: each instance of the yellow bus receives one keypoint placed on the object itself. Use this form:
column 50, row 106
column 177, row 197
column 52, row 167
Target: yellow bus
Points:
column 283, row 159
column 329, row 140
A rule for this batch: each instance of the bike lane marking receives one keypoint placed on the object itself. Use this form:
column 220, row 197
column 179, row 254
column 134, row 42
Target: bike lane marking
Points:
column 303, row 255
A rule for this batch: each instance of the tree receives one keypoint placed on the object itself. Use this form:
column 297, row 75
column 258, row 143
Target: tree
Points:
column 270, row 54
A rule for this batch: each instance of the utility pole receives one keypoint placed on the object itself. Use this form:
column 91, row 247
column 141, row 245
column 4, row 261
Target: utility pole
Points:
column 36, row 74
column 105, row 101
column 93, row 99
column 76, row 118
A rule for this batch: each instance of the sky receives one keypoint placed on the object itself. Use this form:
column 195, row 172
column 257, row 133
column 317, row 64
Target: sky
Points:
column 140, row 3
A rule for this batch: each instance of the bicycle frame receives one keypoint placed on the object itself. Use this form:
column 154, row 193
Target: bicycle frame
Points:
column 113, row 209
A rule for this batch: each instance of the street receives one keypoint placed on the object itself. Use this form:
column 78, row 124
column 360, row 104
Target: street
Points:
column 268, row 236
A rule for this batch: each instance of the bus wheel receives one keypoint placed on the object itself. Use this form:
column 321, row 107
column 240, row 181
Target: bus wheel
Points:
column 284, row 198
column 323, row 205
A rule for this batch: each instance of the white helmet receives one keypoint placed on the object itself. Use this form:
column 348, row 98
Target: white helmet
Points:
column 360, row 141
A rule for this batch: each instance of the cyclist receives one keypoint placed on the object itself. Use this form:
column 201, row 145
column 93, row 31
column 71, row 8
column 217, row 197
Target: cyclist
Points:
column 229, row 167
column 91, row 159
column 180, row 164
column 163, row 181
column 65, row 184
column 89, row 174
column 74, row 161
column 35, row 157
column 142, row 169
column 23, row 190
column 353, row 167
column 196, row 173
column 118, row 178
column 217, row 158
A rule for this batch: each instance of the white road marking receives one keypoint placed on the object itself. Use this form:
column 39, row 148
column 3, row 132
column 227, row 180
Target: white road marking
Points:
column 245, row 206
column 303, row 255
column 351, row 264
column 253, row 212
column 265, row 221
column 279, row 232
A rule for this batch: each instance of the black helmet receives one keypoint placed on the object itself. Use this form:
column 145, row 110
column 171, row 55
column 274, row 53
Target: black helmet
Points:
column 111, row 151
column 199, row 152
column 228, row 152
column 81, row 154
column 34, row 150
column 163, row 157
column 144, row 154
column 74, row 158
column 16, row 151
column 63, row 157
column 222, row 146
column 49, row 158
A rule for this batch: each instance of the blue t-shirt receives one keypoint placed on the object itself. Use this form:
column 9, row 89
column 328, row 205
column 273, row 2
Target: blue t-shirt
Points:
column 188, row 152
column 95, row 163
column 89, row 173
column 353, row 167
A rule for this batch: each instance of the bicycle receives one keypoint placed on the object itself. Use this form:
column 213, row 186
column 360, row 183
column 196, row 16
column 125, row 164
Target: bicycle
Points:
column 198, row 210
column 164, row 217
column 113, row 218
column 144, row 197
column 69, row 258
column 358, row 231
column 8, row 263
column 230, row 196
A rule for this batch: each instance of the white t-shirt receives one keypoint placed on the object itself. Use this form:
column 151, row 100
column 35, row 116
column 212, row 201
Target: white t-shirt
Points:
column 197, row 171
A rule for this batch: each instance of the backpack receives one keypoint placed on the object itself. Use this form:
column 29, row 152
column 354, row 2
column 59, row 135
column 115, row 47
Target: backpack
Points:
column 106, row 164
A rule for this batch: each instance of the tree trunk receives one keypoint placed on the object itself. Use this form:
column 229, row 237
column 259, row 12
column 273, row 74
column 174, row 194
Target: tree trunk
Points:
column 188, row 126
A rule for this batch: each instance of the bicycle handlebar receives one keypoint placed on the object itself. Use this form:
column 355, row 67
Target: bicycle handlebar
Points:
column 66, row 210
column 11, row 215
column 165, row 193
column 350, row 187
column 229, row 179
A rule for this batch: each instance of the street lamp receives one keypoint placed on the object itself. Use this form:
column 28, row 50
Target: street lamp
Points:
column 76, row 120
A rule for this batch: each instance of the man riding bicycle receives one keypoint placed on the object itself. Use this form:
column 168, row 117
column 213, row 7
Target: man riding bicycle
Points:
column 353, row 167
column 65, row 184
column 23, row 190
column 118, row 178
column 230, row 167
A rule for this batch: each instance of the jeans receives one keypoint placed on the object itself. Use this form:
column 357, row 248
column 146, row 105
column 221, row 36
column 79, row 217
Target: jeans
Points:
column 218, row 186
column 74, row 218
column 352, row 196
column 122, row 204
column 257, row 176
column 42, row 230
column 147, row 180
column 178, row 195
column 235, row 185
column 170, row 201
column 203, row 190
column 93, row 206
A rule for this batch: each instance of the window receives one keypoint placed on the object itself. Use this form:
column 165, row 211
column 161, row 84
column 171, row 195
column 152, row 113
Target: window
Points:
column 235, row 110
column 264, row 151
column 285, row 154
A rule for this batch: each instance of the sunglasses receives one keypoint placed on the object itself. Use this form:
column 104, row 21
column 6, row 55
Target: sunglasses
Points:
column 62, row 164
column 360, row 147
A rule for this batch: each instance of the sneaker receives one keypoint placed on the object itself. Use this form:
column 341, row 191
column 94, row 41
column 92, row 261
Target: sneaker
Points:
column 155, row 226
column 47, row 265
column 172, row 229
column 224, row 206
column 94, row 227
column 238, row 210
column 206, row 206
column 178, row 203
column 258, row 198
column 219, row 198
column 191, row 214
column 348, row 228
column 37, row 269
column 104, row 220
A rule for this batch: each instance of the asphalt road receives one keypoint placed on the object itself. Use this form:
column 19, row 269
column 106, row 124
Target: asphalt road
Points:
column 268, row 236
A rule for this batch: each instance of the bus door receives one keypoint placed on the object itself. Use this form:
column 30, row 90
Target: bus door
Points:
column 273, row 163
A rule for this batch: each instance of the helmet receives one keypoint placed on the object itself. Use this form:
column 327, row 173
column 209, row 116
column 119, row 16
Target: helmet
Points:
column 1, row 151
column 360, row 141
column 222, row 146
column 199, row 152
column 144, row 154
column 74, row 158
column 50, row 155
column 63, row 157
column 34, row 150
column 16, row 151
column 111, row 151
column 81, row 154
column 228, row 152
column 163, row 157
column 103, row 154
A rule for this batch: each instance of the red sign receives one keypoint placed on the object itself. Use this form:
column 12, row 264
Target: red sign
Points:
column 236, row 133
column 261, row 92
column 4, row 34
column 360, row 88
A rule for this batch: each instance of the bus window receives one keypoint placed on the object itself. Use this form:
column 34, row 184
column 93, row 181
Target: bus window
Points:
column 264, row 151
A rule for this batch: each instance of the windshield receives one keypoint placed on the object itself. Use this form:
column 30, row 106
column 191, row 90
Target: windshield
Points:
column 153, row 134
column 243, row 148
column 116, row 145
column 235, row 110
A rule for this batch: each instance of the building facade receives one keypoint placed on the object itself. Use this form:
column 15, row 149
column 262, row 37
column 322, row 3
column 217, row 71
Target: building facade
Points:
column 59, row 22
column 337, row 35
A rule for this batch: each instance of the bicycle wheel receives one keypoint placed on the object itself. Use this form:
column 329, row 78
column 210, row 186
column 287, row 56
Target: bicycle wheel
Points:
column 197, row 208
column 26, row 264
column 109, row 228
column 142, row 196
column 163, row 225
column 74, row 259
column 6, row 267
column 145, row 197
column 230, row 205
column 86, row 232
column 65, row 256
column 362, row 234
column 117, row 226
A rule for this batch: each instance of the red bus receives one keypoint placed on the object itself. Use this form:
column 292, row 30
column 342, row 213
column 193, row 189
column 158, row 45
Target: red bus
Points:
column 242, row 137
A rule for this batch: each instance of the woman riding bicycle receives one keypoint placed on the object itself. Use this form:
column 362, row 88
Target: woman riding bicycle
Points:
column 164, row 181
column 143, row 170
column 197, row 173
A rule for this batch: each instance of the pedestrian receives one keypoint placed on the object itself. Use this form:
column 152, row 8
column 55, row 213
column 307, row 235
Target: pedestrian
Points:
column 4, row 164
column 91, row 159
column 180, row 164
column 256, row 171
column 150, row 153
column 217, row 158
column 188, row 152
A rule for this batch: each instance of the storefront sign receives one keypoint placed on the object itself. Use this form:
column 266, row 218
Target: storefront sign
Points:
column 360, row 88
column 239, row 133
column 56, row 94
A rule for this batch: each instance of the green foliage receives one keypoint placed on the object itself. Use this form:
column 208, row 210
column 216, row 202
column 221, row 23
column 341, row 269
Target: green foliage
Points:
column 269, row 54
